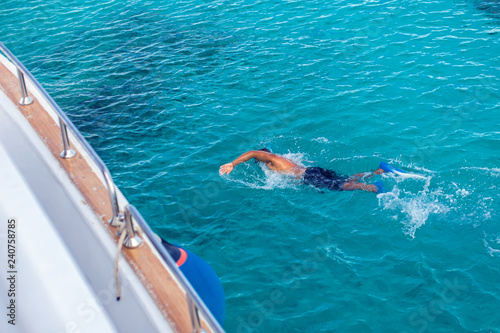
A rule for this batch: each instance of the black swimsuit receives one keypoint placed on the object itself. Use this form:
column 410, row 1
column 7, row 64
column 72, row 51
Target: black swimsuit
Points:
column 323, row 178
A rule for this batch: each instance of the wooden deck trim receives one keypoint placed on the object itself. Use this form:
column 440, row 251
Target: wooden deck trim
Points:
column 151, row 271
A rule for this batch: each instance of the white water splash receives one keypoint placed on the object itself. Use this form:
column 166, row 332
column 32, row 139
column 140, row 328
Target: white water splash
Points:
column 492, row 172
column 271, row 179
column 409, row 175
column 413, row 208
column 321, row 140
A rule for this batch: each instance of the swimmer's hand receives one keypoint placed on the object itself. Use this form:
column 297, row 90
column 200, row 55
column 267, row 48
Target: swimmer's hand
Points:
column 226, row 168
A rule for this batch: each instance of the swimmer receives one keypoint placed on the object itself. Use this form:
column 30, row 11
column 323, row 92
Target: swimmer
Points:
column 318, row 177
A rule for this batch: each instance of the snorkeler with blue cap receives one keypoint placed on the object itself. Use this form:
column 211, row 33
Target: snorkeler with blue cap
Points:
column 315, row 176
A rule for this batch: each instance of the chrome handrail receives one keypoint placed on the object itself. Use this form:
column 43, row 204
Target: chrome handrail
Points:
column 194, row 301
column 64, row 123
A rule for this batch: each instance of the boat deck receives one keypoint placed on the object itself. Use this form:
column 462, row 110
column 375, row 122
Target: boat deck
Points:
column 62, row 208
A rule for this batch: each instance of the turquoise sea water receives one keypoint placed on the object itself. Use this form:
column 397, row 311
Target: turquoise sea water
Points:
column 166, row 92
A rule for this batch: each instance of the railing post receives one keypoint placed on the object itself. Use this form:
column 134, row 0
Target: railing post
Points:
column 195, row 317
column 25, row 99
column 132, row 239
column 67, row 151
column 117, row 217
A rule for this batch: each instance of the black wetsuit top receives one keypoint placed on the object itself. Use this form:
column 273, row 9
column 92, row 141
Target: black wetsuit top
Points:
column 173, row 250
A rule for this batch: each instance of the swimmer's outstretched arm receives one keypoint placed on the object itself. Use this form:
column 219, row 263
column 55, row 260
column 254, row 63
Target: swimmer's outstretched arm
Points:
column 261, row 156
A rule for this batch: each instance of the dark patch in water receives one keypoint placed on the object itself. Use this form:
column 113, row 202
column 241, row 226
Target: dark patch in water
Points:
column 128, row 71
column 490, row 7
column 414, row 292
